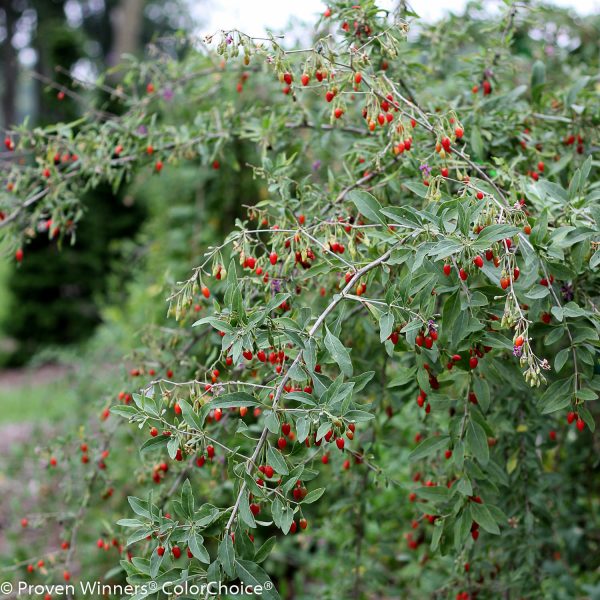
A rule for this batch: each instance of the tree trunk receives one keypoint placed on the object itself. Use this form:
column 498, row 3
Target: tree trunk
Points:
column 127, row 20
column 10, row 68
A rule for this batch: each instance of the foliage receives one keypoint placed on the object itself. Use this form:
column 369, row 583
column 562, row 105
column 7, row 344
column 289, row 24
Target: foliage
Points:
column 393, row 357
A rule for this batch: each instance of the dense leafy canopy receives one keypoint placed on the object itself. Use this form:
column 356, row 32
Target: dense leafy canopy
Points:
column 396, row 348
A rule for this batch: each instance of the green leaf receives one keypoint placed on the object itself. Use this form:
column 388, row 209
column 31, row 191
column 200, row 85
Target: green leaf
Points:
column 402, row 375
column 313, row 495
column 538, row 80
column 245, row 512
column 386, row 324
column 482, row 391
column 196, row 544
column 187, row 498
column 154, row 444
column 493, row 233
column 276, row 460
column 438, row 493
column 263, row 552
column 366, row 204
column 557, row 396
column 561, row 359
column 537, row 292
column 477, row 143
column 477, row 442
column 251, row 574
column 189, row 416
column 139, row 506
column 428, row 447
column 302, row 429
column 227, row 555
column 483, row 516
column 338, row 352
column 233, row 400
column 438, row 528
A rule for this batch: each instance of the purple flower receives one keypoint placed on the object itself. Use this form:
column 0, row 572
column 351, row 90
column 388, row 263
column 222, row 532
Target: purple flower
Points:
column 567, row 292
column 276, row 285
column 229, row 39
column 316, row 165
column 425, row 169
column 168, row 94
column 431, row 325
column 142, row 130
column 518, row 351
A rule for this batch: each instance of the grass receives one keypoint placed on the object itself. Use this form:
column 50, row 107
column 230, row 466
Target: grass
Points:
column 37, row 402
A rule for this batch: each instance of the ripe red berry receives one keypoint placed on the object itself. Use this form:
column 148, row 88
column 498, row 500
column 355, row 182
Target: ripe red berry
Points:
column 154, row 432
column 303, row 523
column 281, row 443
column 447, row 269
column 176, row 550
column 340, row 443
column 459, row 132
column 479, row 195
column 255, row 508
column 205, row 291
column 478, row 261
column 463, row 274
column 571, row 416
column 473, row 362
column 540, row 166
column 305, row 79
column 338, row 112
column 580, row 424
column 288, row 78
column 444, row 172
column 210, row 451
column 519, row 341
column 357, row 78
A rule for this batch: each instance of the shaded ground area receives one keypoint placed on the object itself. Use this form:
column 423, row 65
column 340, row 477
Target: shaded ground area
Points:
column 31, row 400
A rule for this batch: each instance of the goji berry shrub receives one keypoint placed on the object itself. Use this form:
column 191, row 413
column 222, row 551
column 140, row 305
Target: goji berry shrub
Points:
column 391, row 359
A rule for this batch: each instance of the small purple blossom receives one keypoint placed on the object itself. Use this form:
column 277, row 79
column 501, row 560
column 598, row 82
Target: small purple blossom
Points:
column 425, row 169
column 431, row 325
column 316, row 165
column 276, row 285
column 168, row 94
column 567, row 292
column 142, row 130
column 518, row 351
column 229, row 39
